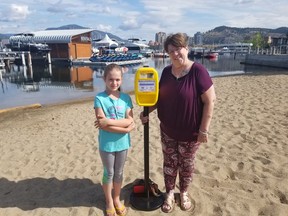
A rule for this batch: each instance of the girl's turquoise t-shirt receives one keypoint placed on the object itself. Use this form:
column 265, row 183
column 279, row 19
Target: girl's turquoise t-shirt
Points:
column 113, row 109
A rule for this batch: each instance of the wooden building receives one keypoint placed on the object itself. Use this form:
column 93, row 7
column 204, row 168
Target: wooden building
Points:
column 64, row 44
column 278, row 43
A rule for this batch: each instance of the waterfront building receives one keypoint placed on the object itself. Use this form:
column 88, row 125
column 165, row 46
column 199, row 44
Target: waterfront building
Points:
column 190, row 41
column 160, row 37
column 198, row 38
column 278, row 43
column 243, row 48
column 65, row 44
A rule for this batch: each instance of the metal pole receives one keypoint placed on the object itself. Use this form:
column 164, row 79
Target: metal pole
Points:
column 146, row 151
column 29, row 58
column 23, row 59
column 49, row 58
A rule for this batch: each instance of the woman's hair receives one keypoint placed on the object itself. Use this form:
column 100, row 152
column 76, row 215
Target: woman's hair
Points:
column 176, row 40
column 111, row 67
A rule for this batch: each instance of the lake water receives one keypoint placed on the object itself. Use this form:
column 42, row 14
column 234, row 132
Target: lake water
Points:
column 52, row 84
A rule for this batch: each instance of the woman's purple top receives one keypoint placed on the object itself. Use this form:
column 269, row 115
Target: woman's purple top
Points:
column 179, row 105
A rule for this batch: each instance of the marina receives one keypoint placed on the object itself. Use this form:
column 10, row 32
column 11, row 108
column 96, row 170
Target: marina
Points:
column 70, row 70
column 52, row 83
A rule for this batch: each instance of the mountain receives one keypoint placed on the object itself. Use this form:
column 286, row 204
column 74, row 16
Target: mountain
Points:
column 218, row 35
column 5, row 36
column 71, row 26
column 226, row 35
column 95, row 35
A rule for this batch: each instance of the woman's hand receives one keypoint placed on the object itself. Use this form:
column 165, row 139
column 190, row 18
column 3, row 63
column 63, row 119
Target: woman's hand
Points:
column 144, row 119
column 202, row 137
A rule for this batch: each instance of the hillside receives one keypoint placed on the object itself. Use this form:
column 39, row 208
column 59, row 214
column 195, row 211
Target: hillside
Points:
column 5, row 36
column 96, row 34
column 218, row 35
column 224, row 34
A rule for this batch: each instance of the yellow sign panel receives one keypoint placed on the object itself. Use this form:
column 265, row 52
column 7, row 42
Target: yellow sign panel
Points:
column 146, row 86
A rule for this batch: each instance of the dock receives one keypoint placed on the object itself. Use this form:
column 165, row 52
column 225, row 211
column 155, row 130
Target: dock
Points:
column 23, row 57
column 87, row 62
column 277, row 61
column 7, row 57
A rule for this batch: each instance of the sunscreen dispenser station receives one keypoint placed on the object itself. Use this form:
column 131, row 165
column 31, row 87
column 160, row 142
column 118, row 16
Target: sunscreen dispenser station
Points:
column 146, row 88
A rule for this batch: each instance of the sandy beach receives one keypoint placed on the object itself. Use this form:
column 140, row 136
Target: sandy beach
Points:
column 50, row 165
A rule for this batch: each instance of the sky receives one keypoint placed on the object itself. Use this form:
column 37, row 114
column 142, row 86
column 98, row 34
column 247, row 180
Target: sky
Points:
column 141, row 18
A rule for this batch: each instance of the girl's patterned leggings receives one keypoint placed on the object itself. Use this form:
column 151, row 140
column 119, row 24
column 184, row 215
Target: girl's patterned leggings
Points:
column 178, row 156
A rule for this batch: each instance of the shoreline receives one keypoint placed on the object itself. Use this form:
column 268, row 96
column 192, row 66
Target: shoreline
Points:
column 38, row 105
column 89, row 98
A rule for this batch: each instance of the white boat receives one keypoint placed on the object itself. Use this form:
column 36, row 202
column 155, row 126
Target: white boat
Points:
column 160, row 55
column 30, row 86
column 147, row 52
column 122, row 49
column 136, row 45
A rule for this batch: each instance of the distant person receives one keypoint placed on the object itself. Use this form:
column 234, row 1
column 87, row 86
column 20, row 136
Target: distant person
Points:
column 113, row 110
column 185, row 107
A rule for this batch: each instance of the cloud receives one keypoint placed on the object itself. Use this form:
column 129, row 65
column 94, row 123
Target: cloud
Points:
column 15, row 13
column 55, row 9
column 244, row 1
column 142, row 18
column 106, row 10
column 104, row 28
column 129, row 24
column 58, row 7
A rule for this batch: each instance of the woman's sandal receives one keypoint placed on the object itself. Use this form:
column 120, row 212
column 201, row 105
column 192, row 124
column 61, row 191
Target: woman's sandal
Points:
column 110, row 212
column 186, row 202
column 169, row 203
column 121, row 211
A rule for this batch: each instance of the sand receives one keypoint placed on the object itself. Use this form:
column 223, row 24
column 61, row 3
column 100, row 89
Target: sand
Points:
column 49, row 161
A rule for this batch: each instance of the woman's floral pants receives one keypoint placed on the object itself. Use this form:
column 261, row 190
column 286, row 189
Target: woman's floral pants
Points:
column 178, row 156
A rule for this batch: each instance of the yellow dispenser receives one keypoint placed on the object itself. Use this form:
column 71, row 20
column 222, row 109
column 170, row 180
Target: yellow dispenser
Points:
column 146, row 86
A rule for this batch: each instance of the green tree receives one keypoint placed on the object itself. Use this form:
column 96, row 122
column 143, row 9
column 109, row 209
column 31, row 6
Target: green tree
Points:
column 258, row 41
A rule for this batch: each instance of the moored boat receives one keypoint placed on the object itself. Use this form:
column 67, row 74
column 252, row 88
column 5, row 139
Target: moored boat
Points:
column 121, row 59
column 211, row 55
column 116, row 57
column 160, row 55
column 24, row 42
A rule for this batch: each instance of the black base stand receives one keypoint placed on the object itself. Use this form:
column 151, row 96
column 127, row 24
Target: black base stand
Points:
column 141, row 202
column 145, row 201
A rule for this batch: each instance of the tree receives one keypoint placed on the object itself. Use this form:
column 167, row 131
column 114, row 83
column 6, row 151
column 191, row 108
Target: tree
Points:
column 258, row 41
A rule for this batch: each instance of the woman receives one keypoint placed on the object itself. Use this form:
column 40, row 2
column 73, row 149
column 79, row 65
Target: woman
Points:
column 185, row 108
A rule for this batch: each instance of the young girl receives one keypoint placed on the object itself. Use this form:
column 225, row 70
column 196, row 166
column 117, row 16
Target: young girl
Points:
column 113, row 110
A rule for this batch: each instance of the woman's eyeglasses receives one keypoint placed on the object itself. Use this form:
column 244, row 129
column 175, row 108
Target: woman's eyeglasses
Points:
column 178, row 49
